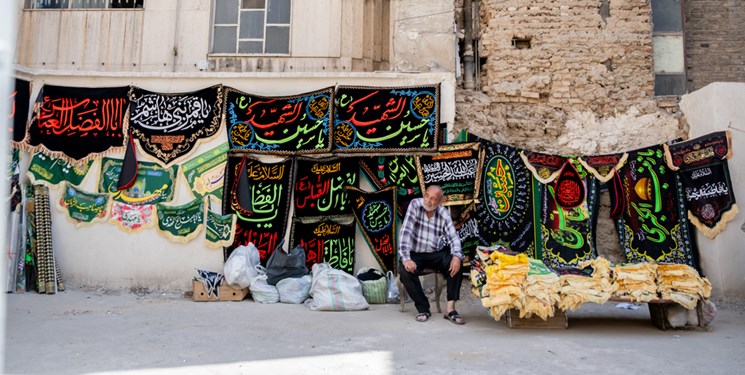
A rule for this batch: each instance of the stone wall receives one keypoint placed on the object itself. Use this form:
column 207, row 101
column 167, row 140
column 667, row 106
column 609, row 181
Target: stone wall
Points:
column 715, row 47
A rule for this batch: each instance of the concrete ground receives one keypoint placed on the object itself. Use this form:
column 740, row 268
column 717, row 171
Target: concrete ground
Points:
column 96, row 332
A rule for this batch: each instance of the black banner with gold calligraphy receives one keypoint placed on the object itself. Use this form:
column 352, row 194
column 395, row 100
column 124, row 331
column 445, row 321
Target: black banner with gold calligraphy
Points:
column 319, row 186
column 456, row 168
column 398, row 171
column 568, row 230
column 509, row 201
column 326, row 241
column 703, row 167
column 169, row 126
column 375, row 214
column 78, row 123
column 288, row 125
column 377, row 119
column 19, row 109
column 267, row 187
column 654, row 226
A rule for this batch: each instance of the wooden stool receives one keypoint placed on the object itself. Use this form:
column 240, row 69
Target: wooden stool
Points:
column 439, row 283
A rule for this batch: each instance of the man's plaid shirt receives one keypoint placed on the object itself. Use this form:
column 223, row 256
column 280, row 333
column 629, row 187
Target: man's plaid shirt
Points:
column 420, row 234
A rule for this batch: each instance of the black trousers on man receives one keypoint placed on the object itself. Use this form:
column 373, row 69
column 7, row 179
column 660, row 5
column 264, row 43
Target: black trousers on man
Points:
column 438, row 261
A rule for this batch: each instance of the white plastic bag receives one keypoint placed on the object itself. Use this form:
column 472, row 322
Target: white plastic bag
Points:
column 334, row 290
column 262, row 292
column 240, row 268
column 392, row 295
column 294, row 289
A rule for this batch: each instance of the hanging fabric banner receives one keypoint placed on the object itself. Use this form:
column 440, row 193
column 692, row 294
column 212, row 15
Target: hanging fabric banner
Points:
column 568, row 229
column 393, row 119
column 545, row 167
column 132, row 218
column 219, row 229
column 654, row 226
column 152, row 185
column 267, row 187
column 507, row 213
column 456, row 169
column 19, row 110
column 288, row 125
column 468, row 230
column 375, row 214
column 78, row 124
column 702, row 165
column 325, row 241
column 319, row 186
column 51, row 171
column 82, row 207
column 169, row 126
column 181, row 223
column 398, row 171
column 205, row 173
column 604, row 167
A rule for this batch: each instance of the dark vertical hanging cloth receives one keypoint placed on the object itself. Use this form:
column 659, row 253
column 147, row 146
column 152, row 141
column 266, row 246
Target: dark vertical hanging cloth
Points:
column 268, row 188
column 326, row 241
column 509, row 201
column 375, row 215
column 78, row 123
column 19, row 109
column 654, row 226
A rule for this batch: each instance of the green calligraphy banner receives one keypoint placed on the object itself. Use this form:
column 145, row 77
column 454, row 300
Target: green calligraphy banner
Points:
column 82, row 207
column 206, row 172
column 375, row 214
column 50, row 171
column 181, row 223
column 399, row 171
column 220, row 230
column 153, row 184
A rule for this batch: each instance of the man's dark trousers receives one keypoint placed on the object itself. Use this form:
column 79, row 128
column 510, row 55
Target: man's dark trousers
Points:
column 438, row 261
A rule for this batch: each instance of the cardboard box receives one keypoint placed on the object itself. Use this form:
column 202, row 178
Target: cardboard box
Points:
column 225, row 293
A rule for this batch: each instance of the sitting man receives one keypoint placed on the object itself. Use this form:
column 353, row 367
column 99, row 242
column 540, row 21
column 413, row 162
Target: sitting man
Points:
column 426, row 230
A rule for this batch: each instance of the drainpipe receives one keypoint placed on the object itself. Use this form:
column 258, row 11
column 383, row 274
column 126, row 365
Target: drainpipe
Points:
column 468, row 83
column 175, row 36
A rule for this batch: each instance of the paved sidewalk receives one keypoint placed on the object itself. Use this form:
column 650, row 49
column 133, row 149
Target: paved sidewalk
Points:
column 92, row 332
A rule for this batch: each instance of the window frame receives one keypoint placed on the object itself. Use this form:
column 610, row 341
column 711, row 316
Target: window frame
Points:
column 263, row 40
column 684, row 73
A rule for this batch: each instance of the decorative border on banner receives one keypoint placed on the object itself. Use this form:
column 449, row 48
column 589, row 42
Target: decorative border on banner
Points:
column 222, row 243
column 197, row 137
column 194, row 234
column 183, row 170
column 610, row 174
column 79, row 223
column 669, row 157
column 457, row 199
column 30, row 176
column 544, row 180
column 378, row 151
column 235, row 151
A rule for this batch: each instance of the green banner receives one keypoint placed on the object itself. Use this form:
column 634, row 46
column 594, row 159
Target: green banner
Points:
column 206, row 172
column 83, row 207
column 51, row 171
column 153, row 184
column 220, row 230
column 181, row 223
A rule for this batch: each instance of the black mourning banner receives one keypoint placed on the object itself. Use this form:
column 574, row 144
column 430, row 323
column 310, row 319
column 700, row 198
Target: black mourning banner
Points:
column 509, row 201
column 77, row 124
column 545, row 167
column 19, row 109
column 375, row 214
column 386, row 119
column 399, row 171
column 319, row 186
column 169, row 126
column 456, row 168
column 267, row 186
column 702, row 166
column 287, row 125
column 326, row 241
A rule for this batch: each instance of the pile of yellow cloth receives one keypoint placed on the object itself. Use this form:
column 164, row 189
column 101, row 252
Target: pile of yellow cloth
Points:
column 504, row 280
column 578, row 289
column 682, row 284
column 635, row 281
column 540, row 292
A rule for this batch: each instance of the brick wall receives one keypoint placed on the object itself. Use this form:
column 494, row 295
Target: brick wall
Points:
column 715, row 42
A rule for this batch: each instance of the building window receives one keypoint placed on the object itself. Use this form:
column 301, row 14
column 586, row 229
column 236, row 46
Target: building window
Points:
column 84, row 4
column 669, row 53
column 252, row 27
